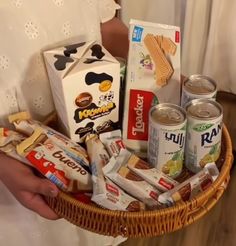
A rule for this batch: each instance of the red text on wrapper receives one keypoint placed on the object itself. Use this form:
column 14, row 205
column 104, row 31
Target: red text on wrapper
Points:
column 166, row 184
column 139, row 106
column 112, row 189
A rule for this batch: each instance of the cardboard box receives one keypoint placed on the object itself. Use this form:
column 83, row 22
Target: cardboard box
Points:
column 85, row 84
column 153, row 76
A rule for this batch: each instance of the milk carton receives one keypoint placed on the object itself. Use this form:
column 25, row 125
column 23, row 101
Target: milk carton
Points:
column 153, row 76
column 85, row 83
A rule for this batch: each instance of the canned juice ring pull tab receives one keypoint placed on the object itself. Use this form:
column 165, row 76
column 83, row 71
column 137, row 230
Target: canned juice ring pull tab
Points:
column 203, row 113
column 173, row 115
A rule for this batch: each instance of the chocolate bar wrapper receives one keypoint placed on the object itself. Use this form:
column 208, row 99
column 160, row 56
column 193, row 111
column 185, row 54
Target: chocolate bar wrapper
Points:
column 8, row 141
column 130, row 182
column 105, row 193
column 23, row 123
column 192, row 186
column 54, row 163
column 73, row 150
column 149, row 173
column 113, row 142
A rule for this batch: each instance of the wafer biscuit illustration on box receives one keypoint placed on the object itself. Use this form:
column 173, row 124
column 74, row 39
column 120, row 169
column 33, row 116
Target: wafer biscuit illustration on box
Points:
column 163, row 69
column 166, row 44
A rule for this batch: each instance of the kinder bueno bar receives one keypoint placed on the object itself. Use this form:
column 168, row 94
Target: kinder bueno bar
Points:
column 8, row 141
column 105, row 192
column 23, row 123
column 54, row 163
column 192, row 186
column 152, row 175
column 153, row 76
column 113, row 142
column 73, row 150
column 131, row 182
column 85, row 83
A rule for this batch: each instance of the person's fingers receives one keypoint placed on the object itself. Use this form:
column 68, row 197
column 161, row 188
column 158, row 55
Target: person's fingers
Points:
column 26, row 180
column 38, row 185
column 27, row 187
column 37, row 204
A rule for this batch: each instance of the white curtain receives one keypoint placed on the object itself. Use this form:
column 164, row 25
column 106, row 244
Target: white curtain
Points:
column 208, row 33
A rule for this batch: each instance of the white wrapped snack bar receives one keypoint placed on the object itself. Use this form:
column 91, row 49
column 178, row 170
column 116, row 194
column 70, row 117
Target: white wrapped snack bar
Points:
column 192, row 186
column 105, row 192
column 112, row 141
column 117, row 171
column 8, row 141
column 151, row 174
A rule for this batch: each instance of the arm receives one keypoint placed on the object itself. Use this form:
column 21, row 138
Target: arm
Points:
column 115, row 37
column 26, row 187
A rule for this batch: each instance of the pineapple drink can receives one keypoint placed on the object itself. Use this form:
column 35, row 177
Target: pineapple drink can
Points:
column 203, row 139
column 166, row 138
column 198, row 86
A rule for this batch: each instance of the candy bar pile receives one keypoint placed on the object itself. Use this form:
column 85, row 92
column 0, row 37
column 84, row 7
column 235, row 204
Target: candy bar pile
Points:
column 104, row 172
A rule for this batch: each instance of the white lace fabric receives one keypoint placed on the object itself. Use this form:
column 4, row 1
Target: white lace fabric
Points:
column 27, row 28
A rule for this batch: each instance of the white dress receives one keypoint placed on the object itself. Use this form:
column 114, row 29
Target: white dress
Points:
column 27, row 28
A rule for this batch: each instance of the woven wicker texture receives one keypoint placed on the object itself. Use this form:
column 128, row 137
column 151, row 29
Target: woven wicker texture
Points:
column 147, row 223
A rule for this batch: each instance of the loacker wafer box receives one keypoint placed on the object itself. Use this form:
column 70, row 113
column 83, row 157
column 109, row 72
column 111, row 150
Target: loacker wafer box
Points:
column 153, row 76
column 85, row 83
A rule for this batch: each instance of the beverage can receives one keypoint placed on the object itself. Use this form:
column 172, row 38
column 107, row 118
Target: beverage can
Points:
column 203, row 139
column 166, row 138
column 198, row 86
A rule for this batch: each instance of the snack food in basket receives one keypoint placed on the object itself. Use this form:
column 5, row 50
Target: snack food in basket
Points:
column 149, row 173
column 135, row 185
column 25, row 124
column 85, row 90
column 105, row 192
column 54, row 163
column 8, row 142
column 192, row 186
column 113, row 142
column 147, row 223
column 153, row 76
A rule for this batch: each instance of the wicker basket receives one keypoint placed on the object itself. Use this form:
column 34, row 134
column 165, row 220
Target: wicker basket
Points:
column 147, row 223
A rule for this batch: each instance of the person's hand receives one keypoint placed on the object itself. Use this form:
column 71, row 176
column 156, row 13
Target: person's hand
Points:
column 26, row 187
